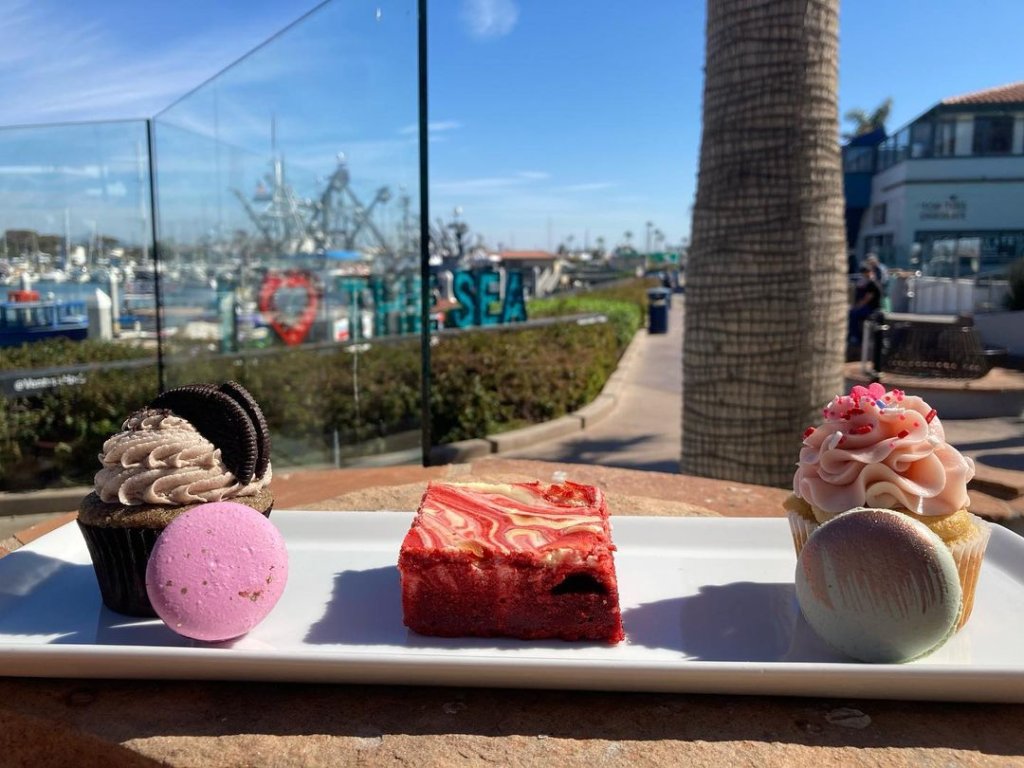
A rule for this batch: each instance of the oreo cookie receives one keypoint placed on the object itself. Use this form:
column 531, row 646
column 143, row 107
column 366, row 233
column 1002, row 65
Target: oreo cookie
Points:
column 220, row 419
column 252, row 408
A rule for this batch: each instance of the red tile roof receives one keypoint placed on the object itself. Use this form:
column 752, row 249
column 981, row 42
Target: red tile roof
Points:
column 524, row 255
column 1001, row 94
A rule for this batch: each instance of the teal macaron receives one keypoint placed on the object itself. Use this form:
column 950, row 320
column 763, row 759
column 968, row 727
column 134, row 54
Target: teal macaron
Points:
column 878, row 586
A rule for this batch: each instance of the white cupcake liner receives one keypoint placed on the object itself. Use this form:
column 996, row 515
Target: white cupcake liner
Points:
column 968, row 555
column 801, row 528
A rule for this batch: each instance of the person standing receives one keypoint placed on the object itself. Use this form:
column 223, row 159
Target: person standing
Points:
column 881, row 272
column 867, row 300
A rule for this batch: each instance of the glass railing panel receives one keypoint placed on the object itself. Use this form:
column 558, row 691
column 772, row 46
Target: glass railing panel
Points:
column 75, row 217
column 288, row 191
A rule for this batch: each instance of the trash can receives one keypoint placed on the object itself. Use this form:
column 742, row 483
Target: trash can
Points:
column 657, row 310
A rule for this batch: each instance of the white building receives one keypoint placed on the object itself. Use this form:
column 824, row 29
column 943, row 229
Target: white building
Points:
column 947, row 195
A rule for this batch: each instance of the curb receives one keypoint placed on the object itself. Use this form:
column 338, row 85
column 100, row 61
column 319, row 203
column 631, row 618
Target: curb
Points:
column 527, row 436
column 460, row 452
column 595, row 411
column 42, row 502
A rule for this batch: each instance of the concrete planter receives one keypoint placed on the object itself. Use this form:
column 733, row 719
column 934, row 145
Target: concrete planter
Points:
column 1002, row 329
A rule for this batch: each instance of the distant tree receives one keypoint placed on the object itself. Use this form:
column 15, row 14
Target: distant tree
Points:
column 866, row 122
column 21, row 241
column 50, row 243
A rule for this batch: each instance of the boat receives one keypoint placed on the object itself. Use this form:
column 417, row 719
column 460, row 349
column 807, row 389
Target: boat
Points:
column 26, row 317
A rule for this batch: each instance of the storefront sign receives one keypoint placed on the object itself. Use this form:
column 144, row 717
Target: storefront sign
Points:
column 945, row 210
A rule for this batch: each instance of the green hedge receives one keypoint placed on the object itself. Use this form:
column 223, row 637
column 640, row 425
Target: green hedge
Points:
column 486, row 382
column 482, row 382
column 55, row 435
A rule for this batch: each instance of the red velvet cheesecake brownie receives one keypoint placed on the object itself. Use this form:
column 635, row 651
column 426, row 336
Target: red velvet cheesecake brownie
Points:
column 525, row 560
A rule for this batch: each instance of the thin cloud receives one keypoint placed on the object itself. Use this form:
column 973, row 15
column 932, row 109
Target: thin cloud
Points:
column 89, row 171
column 593, row 186
column 100, row 76
column 489, row 184
column 438, row 126
column 489, row 18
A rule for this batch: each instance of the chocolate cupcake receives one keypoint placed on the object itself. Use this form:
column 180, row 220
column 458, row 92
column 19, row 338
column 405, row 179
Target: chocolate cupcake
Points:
column 189, row 446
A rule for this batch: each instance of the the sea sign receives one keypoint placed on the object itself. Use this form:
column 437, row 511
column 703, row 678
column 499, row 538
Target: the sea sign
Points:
column 478, row 293
column 396, row 301
column 480, row 300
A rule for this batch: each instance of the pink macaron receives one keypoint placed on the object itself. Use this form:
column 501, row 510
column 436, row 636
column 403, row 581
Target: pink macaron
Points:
column 217, row 571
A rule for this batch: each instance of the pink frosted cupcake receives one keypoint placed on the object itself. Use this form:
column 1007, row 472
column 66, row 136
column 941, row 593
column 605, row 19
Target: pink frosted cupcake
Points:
column 888, row 450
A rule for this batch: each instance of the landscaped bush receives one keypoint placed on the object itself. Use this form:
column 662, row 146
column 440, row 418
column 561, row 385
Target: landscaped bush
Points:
column 56, row 434
column 624, row 304
column 481, row 382
column 485, row 382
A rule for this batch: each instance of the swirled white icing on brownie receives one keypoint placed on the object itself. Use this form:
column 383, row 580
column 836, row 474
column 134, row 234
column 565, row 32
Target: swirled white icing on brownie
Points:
column 504, row 518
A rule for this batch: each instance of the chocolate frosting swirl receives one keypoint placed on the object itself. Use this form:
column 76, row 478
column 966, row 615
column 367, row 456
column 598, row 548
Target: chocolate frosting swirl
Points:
column 160, row 458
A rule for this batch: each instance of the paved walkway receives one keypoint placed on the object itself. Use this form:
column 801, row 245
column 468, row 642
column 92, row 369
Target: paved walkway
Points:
column 644, row 431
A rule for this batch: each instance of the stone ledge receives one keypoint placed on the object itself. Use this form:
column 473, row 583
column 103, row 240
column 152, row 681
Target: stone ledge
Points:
column 997, row 394
column 42, row 528
column 1002, row 483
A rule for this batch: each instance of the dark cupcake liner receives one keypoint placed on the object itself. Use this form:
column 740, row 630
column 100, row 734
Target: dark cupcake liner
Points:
column 119, row 558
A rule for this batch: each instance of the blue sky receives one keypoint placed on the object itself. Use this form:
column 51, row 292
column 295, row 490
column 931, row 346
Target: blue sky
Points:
column 549, row 120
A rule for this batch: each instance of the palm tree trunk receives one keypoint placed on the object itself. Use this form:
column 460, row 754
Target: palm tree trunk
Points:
column 765, row 282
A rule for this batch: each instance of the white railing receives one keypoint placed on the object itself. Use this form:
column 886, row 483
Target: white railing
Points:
column 951, row 296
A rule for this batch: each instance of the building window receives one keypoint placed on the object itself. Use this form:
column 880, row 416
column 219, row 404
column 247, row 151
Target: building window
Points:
column 921, row 139
column 881, row 246
column 878, row 214
column 945, row 138
column 993, row 135
column 858, row 159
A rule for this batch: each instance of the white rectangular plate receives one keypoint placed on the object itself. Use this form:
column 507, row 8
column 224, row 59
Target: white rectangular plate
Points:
column 708, row 606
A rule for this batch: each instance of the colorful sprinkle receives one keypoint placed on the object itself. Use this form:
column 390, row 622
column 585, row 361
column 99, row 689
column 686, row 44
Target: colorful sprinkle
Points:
column 902, row 433
column 863, row 429
column 931, row 415
column 808, row 432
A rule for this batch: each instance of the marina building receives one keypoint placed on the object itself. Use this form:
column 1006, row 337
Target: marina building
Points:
column 946, row 193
